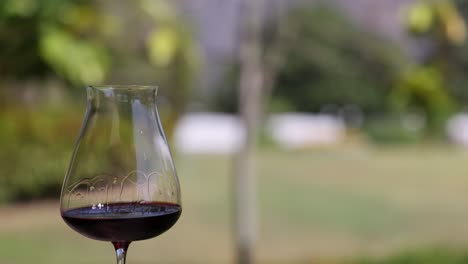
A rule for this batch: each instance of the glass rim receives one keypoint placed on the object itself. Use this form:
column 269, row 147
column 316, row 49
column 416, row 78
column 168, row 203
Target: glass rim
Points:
column 123, row 87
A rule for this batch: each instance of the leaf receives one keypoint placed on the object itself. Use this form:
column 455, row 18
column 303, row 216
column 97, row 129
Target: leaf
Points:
column 162, row 46
column 79, row 61
column 420, row 17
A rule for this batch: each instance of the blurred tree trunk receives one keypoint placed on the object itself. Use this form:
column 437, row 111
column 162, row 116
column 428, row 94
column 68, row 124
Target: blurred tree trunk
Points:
column 257, row 77
column 250, row 106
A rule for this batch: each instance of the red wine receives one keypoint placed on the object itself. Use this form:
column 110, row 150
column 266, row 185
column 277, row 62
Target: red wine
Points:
column 123, row 221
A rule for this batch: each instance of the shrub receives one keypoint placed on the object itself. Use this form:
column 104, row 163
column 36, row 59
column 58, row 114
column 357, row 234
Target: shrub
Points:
column 36, row 147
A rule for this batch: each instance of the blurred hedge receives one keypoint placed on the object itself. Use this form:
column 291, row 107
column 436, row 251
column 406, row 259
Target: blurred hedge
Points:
column 395, row 129
column 35, row 150
column 36, row 145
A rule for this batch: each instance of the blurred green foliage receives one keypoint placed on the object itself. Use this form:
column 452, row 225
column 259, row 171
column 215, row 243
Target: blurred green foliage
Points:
column 424, row 88
column 329, row 60
column 442, row 18
column 172, row 51
column 86, row 42
column 50, row 46
column 36, row 147
column 391, row 129
column 431, row 84
column 41, row 37
column 458, row 57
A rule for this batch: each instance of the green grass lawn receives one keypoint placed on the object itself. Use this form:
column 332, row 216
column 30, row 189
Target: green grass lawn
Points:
column 327, row 204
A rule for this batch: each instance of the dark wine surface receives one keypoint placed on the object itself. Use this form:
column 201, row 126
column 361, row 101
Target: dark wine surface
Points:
column 123, row 221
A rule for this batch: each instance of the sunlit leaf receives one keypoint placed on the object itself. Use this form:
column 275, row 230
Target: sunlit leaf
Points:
column 420, row 17
column 162, row 46
column 79, row 61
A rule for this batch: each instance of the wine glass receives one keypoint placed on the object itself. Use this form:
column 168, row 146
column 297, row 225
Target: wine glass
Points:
column 121, row 184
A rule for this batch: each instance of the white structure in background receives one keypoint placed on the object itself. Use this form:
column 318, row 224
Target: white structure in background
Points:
column 208, row 133
column 223, row 133
column 297, row 130
column 457, row 129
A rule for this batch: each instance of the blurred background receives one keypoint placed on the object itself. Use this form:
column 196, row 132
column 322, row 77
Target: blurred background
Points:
column 362, row 146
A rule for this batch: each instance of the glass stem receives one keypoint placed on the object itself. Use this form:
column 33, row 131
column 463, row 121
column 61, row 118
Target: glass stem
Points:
column 121, row 251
